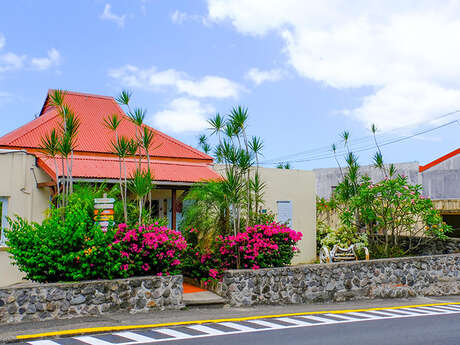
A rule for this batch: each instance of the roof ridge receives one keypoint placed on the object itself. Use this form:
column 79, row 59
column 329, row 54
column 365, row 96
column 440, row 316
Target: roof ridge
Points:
column 84, row 94
column 168, row 137
column 40, row 118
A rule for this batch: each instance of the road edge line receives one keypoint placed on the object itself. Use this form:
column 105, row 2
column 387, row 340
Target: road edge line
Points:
column 80, row 331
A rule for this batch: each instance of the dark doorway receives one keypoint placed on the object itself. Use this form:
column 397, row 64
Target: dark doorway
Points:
column 454, row 221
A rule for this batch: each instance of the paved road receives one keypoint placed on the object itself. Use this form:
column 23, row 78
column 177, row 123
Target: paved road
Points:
column 430, row 325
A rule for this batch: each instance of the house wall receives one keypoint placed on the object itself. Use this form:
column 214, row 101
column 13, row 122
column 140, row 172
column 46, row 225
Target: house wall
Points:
column 298, row 187
column 18, row 187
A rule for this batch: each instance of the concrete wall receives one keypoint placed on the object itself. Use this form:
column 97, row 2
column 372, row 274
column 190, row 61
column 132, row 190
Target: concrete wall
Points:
column 18, row 186
column 442, row 181
column 338, row 282
column 328, row 178
column 298, row 187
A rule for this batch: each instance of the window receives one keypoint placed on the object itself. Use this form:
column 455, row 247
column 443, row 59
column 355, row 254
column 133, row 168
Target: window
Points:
column 285, row 212
column 3, row 221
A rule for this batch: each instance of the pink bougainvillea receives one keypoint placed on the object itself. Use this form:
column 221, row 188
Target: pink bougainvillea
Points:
column 149, row 250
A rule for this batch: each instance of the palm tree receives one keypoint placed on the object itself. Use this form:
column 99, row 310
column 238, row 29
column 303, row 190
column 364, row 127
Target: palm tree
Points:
column 50, row 146
column 141, row 185
column 147, row 141
column 137, row 116
column 217, row 124
column 238, row 117
column 112, row 122
column 121, row 148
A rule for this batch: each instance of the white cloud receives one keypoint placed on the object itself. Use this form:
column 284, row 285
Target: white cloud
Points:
column 258, row 76
column 53, row 59
column 151, row 78
column 183, row 115
column 407, row 52
column 11, row 62
column 109, row 15
column 179, row 17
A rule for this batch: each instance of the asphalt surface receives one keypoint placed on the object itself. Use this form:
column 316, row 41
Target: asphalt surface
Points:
column 421, row 330
column 435, row 323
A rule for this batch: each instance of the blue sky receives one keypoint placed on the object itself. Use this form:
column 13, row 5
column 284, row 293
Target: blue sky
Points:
column 306, row 71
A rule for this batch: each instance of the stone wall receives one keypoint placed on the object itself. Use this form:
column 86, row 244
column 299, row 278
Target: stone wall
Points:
column 434, row 246
column 68, row 300
column 385, row 278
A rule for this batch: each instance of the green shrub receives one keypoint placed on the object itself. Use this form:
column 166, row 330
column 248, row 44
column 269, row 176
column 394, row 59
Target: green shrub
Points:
column 67, row 246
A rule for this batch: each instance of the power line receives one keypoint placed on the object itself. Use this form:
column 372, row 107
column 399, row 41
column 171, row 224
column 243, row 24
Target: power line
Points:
column 361, row 148
column 360, row 142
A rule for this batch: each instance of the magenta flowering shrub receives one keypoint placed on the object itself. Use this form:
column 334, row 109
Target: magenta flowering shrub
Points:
column 261, row 246
column 149, row 250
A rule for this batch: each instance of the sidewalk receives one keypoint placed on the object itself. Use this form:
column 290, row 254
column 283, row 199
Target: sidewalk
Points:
column 8, row 333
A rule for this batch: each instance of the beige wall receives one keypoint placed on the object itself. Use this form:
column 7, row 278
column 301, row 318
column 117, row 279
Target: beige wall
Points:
column 9, row 274
column 298, row 187
column 18, row 186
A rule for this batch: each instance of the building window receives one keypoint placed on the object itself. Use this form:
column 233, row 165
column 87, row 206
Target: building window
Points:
column 284, row 212
column 3, row 221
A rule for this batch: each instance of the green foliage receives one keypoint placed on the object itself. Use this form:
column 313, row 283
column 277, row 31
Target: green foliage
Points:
column 208, row 212
column 63, row 250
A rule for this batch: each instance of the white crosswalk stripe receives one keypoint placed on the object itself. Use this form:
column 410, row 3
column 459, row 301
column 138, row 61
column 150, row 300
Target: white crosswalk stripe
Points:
column 384, row 313
column 341, row 316
column 237, row 326
column 206, row 329
column 234, row 327
column 91, row 340
column 266, row 324
column 43, row 342
column 138, row 338
column 173, row 333
column 294, row 321
column 365, row 315
column 320, row 319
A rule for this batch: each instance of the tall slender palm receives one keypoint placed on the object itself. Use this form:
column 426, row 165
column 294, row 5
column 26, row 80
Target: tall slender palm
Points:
column 378, row 157
column 256, row 145
column 50, row 146
column 217, row 124
column 238, row 117
column 147, row 141
column 112, row 122
column 137, row 116
column 334, row 150
column 141, row 185
column 121, row 148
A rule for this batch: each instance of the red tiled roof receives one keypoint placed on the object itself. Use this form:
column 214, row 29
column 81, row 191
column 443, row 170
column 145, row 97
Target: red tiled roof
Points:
column 94, row 167
column 93, row 136
column 439, row 160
